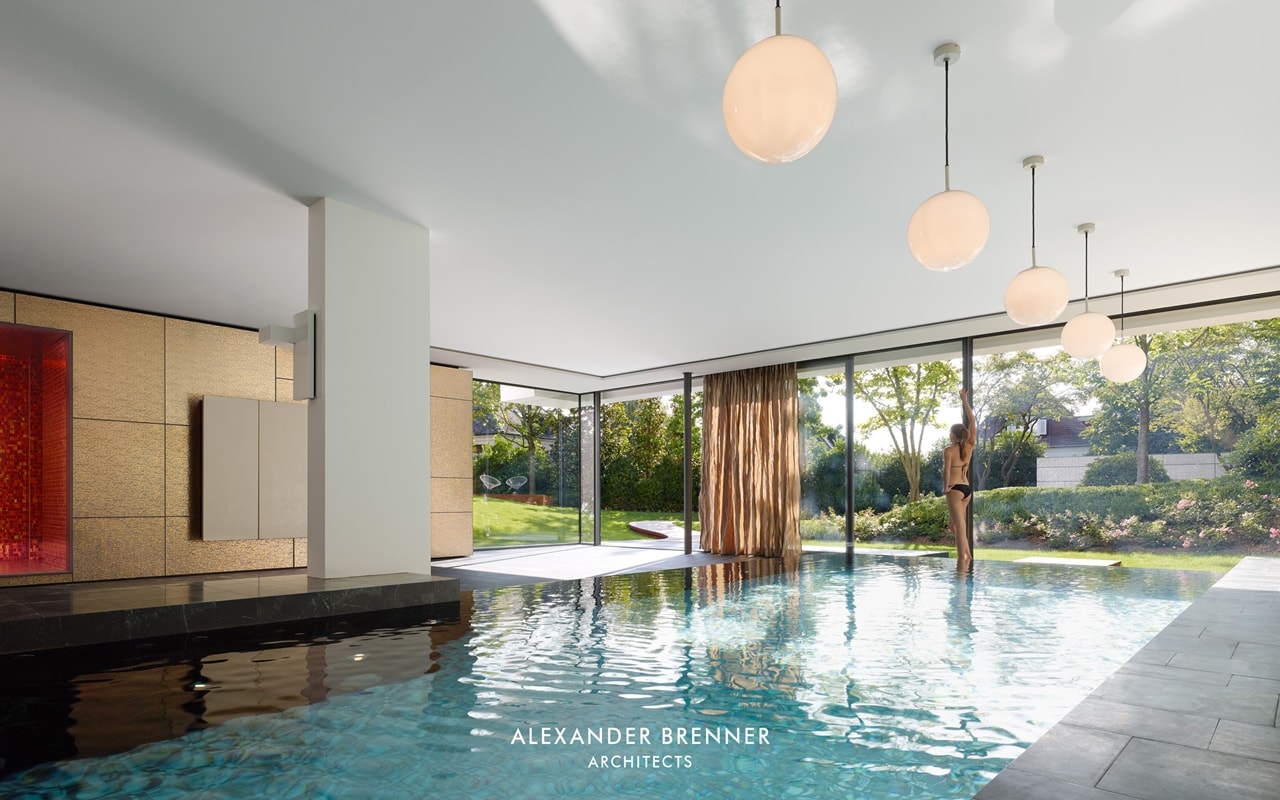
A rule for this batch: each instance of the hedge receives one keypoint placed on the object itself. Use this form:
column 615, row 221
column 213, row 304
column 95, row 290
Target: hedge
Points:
column 1228, row 513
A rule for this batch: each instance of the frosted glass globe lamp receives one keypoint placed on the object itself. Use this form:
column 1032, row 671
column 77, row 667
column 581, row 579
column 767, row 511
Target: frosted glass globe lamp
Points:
column 1036, row 296
column 1088, row 335
column 1123, row 362
column 780, row 98
column 950, row 228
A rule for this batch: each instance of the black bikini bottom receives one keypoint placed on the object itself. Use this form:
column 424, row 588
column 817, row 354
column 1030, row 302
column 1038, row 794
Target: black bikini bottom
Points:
column 962, row 488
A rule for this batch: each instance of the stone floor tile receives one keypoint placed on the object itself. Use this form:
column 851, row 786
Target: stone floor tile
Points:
column 1230, row 666
column 1013, row 784
column 1071, row 754
column 1222, row 702
column 1254, row 741
column 1161, row 771
column 1175, row 673
column 1191, row 730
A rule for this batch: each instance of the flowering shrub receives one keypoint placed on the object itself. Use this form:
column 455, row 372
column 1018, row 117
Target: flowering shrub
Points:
column 1220, row 514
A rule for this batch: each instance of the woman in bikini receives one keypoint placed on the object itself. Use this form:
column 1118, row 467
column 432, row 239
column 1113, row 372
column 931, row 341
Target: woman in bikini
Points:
column 955, row 468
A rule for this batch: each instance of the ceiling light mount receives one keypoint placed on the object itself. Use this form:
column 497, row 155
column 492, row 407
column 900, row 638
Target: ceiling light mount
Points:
column 950, row 228
column 1037, row 295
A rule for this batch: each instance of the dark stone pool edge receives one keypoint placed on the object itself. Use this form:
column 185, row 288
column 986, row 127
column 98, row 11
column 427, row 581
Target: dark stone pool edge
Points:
column 1193, row 714
column 37, row 618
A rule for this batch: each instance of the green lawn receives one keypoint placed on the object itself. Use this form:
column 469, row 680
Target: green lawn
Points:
column 1220, row 562
column 503, row 523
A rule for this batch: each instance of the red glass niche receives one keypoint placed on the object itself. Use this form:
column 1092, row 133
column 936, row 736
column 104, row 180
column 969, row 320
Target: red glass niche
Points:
column 35, row 440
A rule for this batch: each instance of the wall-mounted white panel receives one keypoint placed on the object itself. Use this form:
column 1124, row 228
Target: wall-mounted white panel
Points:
column 282, row 470
column 230, row 463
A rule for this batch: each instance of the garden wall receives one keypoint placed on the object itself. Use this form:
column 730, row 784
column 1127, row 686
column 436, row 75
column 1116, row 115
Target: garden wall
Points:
column 1066, row 472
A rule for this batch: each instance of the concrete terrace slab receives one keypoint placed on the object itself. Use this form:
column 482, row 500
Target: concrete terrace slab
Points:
column 1192, row 715
column 875, row 551
column 1070, row 562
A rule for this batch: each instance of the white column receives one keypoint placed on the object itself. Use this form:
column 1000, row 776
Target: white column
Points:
column 368, row 428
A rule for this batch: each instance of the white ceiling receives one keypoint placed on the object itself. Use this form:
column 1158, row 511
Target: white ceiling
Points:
column 587, row 211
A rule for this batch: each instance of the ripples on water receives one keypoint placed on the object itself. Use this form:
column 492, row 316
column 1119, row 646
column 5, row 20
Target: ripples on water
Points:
column 895, row 679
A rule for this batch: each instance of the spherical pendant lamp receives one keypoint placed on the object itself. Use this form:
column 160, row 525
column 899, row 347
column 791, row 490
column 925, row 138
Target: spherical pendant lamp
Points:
column 950, row 228
column 1126, row 361
column 1088, row 335
column 780, row 97
column 1123, row 362
column 1037, row 295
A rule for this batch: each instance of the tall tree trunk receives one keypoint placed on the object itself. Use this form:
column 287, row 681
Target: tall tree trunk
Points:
column 911, row 465
column 1144, row 413
column 1144, row 435
column 533, row 466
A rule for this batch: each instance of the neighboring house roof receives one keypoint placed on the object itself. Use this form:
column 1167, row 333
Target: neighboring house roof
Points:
column 1066, row 432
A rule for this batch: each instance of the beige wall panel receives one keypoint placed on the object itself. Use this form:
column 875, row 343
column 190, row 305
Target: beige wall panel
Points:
column 117, row 357
column 450, row 535
column 181, row 472
column 229, row 463
column 106, row 549
column 450, row 382
column 205, row 359
column 118, row 469
column 284, row 362
column 6, row 306
column 282, row 471
column 451, row 438
column 451, row 495
column 299, row 552
column 189, row 554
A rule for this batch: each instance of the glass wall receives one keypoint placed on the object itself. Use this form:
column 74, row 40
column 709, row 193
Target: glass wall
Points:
column 526, row 466
column 642, row 464
column 1180, row 460
column 823, row 453
column 904, row 402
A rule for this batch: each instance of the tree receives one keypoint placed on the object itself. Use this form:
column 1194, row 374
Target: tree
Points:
column 531, row 428
column 1017, row 390
column 906, row 400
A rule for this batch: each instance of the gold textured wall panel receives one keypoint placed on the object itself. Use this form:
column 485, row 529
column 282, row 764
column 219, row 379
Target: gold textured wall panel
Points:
column 117, row 357
column 205, row 359
column 451, row 438
column 450, row 535
column 284, row 391
column 117, row 469
column 451, row 495
column 34, row 580
column 6, row 306
column 181, row 492
column 284, row 362
column 106, row 549
column 189, row 554
column 450, row 382
column 299, row 552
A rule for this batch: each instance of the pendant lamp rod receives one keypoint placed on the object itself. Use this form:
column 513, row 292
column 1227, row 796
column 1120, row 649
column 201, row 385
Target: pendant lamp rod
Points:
column 1122, row 274
column 1031, row 162
column 777, row 18
column 946, row 121
column 1086, row 228
column 943, row 55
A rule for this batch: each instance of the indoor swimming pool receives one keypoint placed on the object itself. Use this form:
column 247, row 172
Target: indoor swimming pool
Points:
column 893, row 678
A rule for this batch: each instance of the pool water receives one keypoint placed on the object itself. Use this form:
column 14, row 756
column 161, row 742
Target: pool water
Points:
column 893, row 678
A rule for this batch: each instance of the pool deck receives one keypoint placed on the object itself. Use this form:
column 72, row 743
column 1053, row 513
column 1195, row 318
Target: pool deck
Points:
column 1192, row 716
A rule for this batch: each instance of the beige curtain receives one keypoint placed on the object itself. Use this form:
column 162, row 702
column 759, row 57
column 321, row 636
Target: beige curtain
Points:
column 751, row 462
